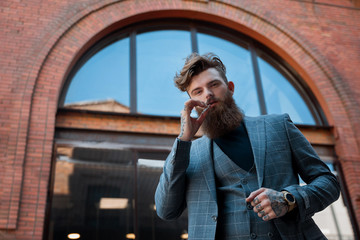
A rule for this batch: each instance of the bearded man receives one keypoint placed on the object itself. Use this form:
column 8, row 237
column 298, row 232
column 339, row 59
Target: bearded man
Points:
column 240, row 180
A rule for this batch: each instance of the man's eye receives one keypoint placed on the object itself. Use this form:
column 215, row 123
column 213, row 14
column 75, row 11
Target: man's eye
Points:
column 197, row 92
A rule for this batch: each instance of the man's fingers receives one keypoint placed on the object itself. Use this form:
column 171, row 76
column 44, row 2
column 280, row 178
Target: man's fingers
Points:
column 269, row 216
column 203, row 114
column 189, row 125
column 254, row 194
column 258, row 208
column 190, row 104
column 268, row 203
column 261, row 213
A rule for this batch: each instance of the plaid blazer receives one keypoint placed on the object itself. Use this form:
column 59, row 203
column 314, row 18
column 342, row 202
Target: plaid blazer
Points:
column 281, row 153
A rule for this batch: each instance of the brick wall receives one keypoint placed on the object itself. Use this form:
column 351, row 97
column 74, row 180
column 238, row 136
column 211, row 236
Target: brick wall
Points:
column 41, row 40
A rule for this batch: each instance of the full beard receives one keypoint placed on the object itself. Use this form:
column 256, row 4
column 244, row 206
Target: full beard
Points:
column 224, row 117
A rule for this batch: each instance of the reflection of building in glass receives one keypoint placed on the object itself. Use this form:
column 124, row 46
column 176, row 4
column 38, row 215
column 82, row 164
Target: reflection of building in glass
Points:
column 103, row 193
column 104, row 106
column 89, row 110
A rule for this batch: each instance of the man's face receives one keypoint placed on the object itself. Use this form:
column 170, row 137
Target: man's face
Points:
column 209, row 87
column 223, row 116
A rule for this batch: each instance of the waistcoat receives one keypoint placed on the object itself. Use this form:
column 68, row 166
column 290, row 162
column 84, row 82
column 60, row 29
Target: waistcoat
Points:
column 236, row 219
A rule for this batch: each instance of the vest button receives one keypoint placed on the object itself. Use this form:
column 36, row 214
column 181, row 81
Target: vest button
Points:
column 270, row 234
column 253, row 235
column 248, row 206
column 244, row 181
column 214, row 218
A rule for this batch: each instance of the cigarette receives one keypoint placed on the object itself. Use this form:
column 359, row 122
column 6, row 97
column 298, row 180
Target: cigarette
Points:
column 205, row 109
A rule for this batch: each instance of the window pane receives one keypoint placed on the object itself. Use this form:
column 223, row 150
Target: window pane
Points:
column 102, row 83
column 93, row 194
column 334, row 221
column 160, row 55
column 150, row 225
column 281, row 96
column 237, row 61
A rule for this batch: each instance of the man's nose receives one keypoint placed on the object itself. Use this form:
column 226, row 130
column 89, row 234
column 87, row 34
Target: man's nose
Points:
column 208, row 93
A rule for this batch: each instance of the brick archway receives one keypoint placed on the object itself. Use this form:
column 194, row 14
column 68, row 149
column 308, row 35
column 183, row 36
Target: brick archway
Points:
column 80, row 31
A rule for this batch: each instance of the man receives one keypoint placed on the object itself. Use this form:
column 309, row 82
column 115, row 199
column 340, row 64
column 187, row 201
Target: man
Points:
column 240, row 180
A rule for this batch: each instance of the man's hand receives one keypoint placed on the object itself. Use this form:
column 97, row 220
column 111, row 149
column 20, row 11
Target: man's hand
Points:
column 268, row 203
column 189, row 125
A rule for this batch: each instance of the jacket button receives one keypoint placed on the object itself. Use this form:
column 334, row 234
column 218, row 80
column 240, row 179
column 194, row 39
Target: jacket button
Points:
column 244, row 181
column 214, row 218
column 270, row 234
column 253, row 235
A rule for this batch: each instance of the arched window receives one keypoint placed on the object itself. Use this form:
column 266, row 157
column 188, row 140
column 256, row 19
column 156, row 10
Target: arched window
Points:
column 132, row 71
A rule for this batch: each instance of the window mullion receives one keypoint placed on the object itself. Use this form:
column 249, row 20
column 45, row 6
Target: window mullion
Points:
column 258, row 83
column 194, row 43
column 133, row 84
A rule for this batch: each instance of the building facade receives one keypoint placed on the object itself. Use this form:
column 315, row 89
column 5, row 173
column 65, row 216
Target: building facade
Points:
column 90, row 166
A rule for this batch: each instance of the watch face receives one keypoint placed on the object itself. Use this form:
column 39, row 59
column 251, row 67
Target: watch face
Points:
column 290, row 197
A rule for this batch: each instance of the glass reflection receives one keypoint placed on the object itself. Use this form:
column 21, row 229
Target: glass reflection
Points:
column 159, row 56
column 151, row 227
column 281, row 96
column 334, row 220
column 239, row 70
column 108, row 194
column 102, row 83
column 93, row 194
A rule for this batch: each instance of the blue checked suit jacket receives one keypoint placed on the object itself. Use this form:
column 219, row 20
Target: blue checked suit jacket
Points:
column 281, row 153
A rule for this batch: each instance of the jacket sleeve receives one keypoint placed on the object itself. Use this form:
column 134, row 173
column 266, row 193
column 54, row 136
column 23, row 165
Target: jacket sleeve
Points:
column 171, row 190
column 322, row 187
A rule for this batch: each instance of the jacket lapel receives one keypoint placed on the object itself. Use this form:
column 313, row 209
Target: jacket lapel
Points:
column 204, row 156
column 256, row 131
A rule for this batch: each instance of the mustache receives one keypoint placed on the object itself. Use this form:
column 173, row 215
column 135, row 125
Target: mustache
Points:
column 208, row 103
column 201, row 110
column 212, row 100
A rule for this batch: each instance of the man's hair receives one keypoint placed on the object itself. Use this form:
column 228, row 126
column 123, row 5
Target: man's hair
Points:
column 196, row 64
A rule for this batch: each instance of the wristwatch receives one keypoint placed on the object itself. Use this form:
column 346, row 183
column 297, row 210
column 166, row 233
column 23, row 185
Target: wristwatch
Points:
column 290, row 200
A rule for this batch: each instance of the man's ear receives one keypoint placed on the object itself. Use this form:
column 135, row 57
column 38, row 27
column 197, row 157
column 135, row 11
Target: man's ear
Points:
column 231, row 87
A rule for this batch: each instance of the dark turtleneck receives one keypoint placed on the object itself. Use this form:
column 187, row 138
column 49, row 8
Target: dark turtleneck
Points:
column 236, row 145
